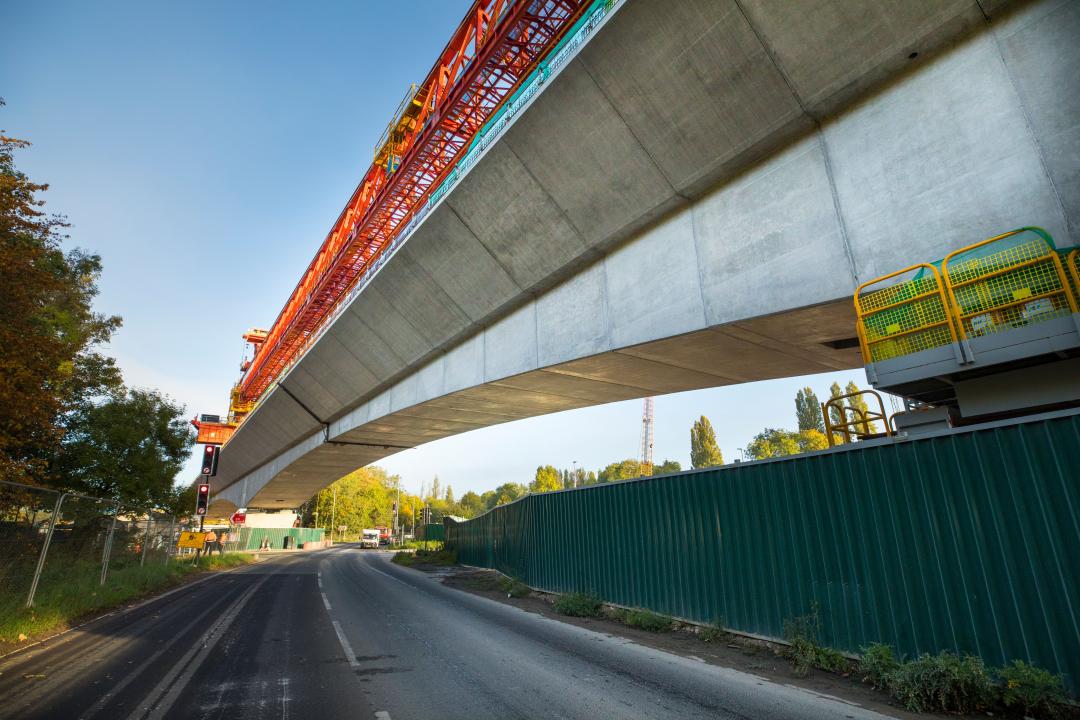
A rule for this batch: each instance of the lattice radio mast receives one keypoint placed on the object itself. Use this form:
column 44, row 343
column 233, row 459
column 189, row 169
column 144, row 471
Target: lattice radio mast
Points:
column 647, row 421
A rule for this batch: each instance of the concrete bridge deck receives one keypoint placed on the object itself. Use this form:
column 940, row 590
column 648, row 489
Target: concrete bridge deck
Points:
column 689, row 203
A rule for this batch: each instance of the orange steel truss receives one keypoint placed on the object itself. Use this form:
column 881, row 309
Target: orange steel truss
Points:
column 493, row 49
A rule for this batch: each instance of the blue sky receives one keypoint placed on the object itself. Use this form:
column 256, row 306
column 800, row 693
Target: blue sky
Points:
column 203, row 150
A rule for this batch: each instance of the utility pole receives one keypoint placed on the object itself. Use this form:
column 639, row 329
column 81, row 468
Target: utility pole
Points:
column 397, row 504
column 333, row 516
column 574, row 463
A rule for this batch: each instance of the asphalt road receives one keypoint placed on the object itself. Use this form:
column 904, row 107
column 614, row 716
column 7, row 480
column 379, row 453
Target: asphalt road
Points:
column 344, row 633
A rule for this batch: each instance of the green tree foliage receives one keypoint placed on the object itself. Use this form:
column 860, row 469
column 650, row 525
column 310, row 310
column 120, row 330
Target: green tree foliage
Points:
column 774, row 442
column 449, row 497
column 623, row 470
column 668, row 466
column 547, row 479
column 365, row 499
column 836, row 416
column 808, row 410
column 129, row 447
column 505, row 493
column 48, row 331
column 704, row 452
column 471, row 505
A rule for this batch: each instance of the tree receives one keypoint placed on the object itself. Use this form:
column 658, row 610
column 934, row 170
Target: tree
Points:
column 668, row 466
column 812, row 440
column 704, row 452
column 471, row 505
column 506, row 493
column 127, row 448
column 449, row 494
column 623, row 470
column 771, row 443
column 836, row 414
column 434, row 488
column 774, row 442
column 365, row 499
column 546, row 480
column 858, row 404
column 48, row 332
column 808, row 410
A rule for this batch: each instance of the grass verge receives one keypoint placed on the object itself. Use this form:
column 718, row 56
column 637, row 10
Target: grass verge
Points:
column 425, row 557
column 69, row 592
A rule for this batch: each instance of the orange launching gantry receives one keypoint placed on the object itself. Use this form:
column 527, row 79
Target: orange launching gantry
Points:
column 211, row 429
column 496, row 46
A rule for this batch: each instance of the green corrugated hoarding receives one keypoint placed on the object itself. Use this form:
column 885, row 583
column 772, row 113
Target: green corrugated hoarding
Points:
column 967, row 541
column 431, row 531
column 252, row 538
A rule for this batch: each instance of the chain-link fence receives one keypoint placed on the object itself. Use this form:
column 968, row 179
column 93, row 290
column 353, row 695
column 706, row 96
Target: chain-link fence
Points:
column 49, row 540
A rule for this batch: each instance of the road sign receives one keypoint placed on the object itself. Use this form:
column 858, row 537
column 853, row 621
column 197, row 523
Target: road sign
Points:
column 238, row 518
column 193, row 540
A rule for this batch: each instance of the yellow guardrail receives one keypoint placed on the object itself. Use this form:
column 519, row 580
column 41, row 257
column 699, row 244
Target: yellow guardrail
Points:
column 1011, row 280
column 904, row 317
column 1007, row 281
column 853, row 423
column 1073, row 262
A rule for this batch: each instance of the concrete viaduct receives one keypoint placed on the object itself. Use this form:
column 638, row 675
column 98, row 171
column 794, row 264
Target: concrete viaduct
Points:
column 689, row 203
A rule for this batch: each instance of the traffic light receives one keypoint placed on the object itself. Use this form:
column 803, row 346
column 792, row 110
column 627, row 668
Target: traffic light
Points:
column 202, row 499
column 209, row 460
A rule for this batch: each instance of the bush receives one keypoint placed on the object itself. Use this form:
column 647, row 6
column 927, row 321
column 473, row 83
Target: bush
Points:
column 647, row 620
column 942, row 682
column 1031, row 689
column 877, row 664
column 579, row 605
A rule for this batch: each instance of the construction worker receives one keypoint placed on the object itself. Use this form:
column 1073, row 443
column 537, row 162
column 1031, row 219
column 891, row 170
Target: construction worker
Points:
column 210, row 541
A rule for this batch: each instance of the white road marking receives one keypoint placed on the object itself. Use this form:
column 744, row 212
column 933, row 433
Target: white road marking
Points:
column 325, row 601
column 345, row 646
column 165, row 694
column 382, row 715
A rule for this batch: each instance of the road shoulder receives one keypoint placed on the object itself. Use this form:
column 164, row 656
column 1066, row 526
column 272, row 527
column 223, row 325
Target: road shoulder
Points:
column 735, row 652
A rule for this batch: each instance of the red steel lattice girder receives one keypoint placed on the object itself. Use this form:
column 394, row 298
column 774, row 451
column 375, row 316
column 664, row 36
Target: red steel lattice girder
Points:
column 493, row 49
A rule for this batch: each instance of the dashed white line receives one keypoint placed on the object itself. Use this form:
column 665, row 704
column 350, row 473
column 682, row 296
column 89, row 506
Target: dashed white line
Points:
column 345, row 646
column 382, row 715
column 325, row 601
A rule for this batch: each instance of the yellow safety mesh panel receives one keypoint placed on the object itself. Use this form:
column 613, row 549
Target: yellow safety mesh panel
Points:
column 1007, row 284
column 904, row 318
column 1072, row 262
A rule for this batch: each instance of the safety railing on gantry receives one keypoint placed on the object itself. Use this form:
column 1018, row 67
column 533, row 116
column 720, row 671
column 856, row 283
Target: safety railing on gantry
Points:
column 1009, row 281
column 902, row 313
column 1013, row 280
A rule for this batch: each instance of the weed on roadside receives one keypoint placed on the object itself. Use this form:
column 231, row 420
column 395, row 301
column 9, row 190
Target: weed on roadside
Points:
column 513, row 588
column 579, row 604
column 943, row 682
column 1036, row 692
column 805, row 653
column 877, row 665
column 647, row 620
column 712, row 633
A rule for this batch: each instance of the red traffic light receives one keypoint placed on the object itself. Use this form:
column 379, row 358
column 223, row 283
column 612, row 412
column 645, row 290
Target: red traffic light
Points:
column 203, row 489
column 209, row 449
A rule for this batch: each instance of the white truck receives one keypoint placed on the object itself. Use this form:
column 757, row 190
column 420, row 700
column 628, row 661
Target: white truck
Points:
column 369, row 538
